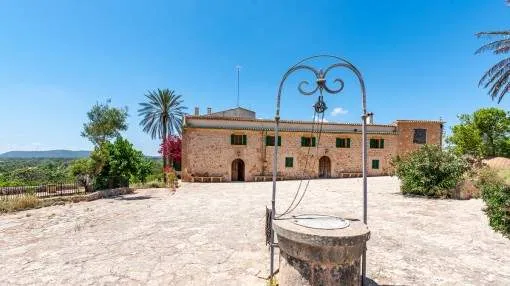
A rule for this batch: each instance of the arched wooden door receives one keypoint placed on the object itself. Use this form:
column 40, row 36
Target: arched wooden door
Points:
column 324, row 167
column 238, row 170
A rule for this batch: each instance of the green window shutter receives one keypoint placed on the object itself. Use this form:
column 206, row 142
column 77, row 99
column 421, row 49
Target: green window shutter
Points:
column 289, row 162
column 313, row 141
column 382, row 143
column 231, row 139
column 348, row 142
column 279, row 140
column 337, row 142
column 372, row 143
column 302, row 141
column 375, row 164
column 268, row 140
column 244, row 139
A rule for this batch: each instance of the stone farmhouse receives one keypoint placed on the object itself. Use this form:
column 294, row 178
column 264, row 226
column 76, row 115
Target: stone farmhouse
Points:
column 233, row 145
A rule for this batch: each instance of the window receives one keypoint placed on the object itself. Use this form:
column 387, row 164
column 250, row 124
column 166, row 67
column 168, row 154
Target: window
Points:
column 238, row 139
column 289, row 162
column 270, row 141
column 376, row 143
column 420, row 136
column 343, row 142
column 307, row 141
column 375, row 164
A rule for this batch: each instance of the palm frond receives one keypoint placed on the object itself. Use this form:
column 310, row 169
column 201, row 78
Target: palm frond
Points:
column 504, row 91
column 494, row 33
column 494, row 91
column 498, row 76
column 495, row 76
column 496, row 69
column 497, row 47
column 162, row 113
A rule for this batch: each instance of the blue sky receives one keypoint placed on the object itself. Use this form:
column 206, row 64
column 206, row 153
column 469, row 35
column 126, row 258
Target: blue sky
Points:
column 58, row 58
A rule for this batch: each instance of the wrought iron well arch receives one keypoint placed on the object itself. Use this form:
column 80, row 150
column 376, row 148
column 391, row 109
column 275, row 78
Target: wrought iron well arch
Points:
column 320, row 107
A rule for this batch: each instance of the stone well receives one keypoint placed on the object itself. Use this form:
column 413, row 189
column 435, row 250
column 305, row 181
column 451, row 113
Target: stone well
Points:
column 320, row 254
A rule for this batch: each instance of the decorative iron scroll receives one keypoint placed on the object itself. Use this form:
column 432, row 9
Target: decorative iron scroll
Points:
column 305, row 88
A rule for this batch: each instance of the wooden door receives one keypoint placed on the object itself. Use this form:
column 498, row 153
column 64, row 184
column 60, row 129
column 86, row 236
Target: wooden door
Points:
column 324, row 167
column 237, row 170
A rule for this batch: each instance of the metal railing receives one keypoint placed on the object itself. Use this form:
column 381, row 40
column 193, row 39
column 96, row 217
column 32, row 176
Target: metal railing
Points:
column 42, row 191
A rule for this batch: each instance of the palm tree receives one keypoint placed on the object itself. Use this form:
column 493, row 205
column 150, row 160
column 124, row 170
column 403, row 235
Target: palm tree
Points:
column 162, row 115
column 498, row 76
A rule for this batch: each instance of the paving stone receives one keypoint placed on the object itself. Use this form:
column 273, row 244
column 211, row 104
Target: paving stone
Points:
column 213, row 234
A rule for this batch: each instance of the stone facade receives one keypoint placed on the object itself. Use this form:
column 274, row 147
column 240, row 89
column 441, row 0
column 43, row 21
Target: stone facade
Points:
column 208, row 150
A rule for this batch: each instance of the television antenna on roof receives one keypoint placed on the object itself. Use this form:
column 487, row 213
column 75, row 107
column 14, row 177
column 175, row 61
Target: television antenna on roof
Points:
column 238, row 69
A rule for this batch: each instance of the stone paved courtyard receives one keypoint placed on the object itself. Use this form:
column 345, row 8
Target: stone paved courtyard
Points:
column 212, row 234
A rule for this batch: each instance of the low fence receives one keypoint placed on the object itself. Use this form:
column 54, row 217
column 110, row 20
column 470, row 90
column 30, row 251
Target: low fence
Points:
column 42, row 191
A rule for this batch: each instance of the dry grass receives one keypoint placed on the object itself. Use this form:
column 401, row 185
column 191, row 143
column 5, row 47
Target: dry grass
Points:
column 501, row 165
column 148, row 185
column 31, row 201
column 498, row 163
column 466, row 190
column 19, row 203
column 505, row 175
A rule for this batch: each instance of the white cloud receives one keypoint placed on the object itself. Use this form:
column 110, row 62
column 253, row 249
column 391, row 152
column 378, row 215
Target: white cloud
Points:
column 338, row 111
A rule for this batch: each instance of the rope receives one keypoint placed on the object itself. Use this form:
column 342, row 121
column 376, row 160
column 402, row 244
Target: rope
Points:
column 317, row 152
column 303, row 173
column 293, row 206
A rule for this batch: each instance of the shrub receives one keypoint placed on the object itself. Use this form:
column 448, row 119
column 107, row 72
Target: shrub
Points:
column 488, row 176
column 430, row 171
column 118, row 162
column 467, row 189
column 82, row 170
column 496, row 195
column 173, row 181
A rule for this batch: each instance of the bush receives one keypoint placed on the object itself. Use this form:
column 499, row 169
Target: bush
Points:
column 82, row 170
column 467, row 189
column 496, row 195
column 173, row 181
column 430, row 171
column 117, row 163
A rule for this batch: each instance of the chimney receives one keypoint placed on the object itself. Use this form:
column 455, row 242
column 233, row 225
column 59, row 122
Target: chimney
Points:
column 209, row 111
column 370, row 118
column 197, row 111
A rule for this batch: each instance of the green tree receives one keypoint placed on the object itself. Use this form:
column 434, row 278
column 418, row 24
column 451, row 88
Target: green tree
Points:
column 162, row 115
column 117, row 163
column 494, row 125
column 497, row 78
column 105, row 123
column 83, row 170
column 486, row 132
column 467, row 139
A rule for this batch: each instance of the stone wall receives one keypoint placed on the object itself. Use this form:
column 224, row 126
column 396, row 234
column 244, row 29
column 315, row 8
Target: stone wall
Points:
column 406, row 132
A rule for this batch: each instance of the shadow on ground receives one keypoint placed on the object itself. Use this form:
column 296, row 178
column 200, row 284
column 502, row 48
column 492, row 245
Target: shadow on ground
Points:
column 370, row 282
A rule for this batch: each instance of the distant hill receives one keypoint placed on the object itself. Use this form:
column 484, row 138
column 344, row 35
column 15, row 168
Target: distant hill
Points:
column 45, row 154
